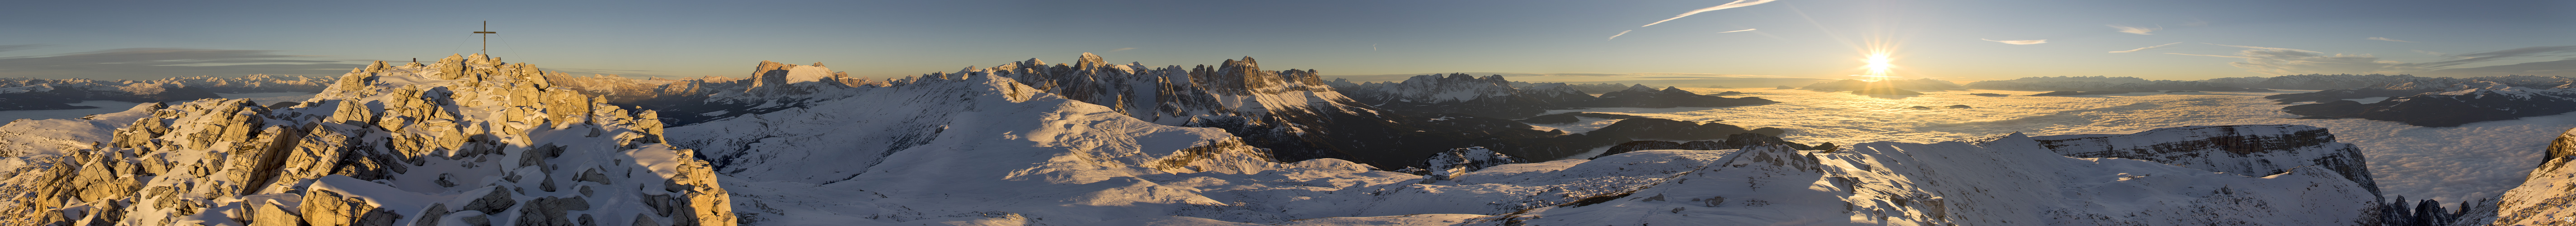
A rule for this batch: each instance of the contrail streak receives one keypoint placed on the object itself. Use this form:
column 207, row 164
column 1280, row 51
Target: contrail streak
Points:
column 1616, row 36
column 1737, row 30
column 1737, row 3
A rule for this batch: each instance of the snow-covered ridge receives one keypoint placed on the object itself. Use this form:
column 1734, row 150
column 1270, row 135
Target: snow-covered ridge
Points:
column 2237, row 149
column 2010, row 180
column 467, row 140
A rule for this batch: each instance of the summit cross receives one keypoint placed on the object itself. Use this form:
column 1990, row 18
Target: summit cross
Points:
column 487, row 38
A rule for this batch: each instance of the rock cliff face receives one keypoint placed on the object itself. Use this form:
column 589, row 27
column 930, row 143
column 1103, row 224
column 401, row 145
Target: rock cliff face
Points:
column 467, row 140
column 2544, row 197
column 2249, row 150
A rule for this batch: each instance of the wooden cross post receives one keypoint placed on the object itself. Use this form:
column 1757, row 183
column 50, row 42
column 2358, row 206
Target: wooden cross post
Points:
column 487, row 38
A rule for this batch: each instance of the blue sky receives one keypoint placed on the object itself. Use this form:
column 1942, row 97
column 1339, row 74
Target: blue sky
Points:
column 1532, row 40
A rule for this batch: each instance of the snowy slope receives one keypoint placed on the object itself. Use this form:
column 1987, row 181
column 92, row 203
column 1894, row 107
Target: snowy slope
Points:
column 2239, row 149
column 2008, row 181
column 2544, row 198
column 467, row 140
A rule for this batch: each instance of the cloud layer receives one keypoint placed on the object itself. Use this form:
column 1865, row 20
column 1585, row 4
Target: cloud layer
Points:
column 6, row 48
column 2135, row 30
column 2166, row 45
column 2018, row 42
column 154, row 63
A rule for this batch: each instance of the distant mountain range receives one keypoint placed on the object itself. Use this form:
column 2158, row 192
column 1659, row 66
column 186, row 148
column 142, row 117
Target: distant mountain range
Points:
column 50, row 94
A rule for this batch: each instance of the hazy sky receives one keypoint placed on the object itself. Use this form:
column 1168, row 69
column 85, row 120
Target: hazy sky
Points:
column 2192, row 39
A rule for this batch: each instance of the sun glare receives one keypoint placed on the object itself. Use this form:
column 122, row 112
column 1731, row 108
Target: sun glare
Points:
column 1878, row 65
column 1879, row 59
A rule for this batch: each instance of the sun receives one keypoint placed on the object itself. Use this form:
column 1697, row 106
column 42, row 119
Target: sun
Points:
column 1878, row 66
column 1878, row 63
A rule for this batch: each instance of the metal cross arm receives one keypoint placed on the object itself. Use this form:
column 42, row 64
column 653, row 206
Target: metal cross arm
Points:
column 487, row 39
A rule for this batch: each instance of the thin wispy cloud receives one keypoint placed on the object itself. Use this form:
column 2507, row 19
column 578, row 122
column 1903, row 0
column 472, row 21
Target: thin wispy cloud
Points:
column 152, row 63
column 1737, row 3
column 2018, row 42
column 2136, row 30
column 1616, row 36
column 2286, row 61
column 6, row 48
column 2166, row 45
column 1122, row 49
column 1747, row 29
column 2387, row 39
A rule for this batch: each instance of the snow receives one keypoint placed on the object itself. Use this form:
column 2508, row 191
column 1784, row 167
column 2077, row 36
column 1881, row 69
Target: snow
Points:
column 2008, row 182
column 808, row 73
column 103, row 108
column 2468, row 162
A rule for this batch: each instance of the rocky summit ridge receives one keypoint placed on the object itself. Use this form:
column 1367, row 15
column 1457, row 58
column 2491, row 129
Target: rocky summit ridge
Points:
column 467, row 140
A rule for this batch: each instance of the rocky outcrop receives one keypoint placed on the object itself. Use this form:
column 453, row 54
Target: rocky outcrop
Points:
column 384, row 145
column 2250, row 150
column 1445, row 165
column 2544, row 196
